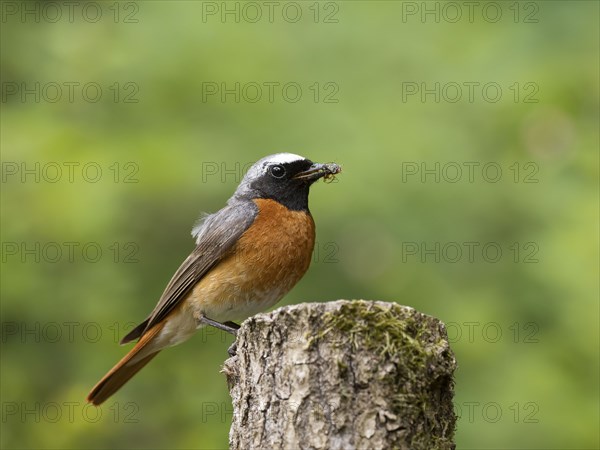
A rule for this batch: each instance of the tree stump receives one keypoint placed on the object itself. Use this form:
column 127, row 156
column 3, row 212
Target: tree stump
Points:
column 341, row 375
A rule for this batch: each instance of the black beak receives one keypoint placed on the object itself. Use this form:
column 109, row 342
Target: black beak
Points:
column 317, row 171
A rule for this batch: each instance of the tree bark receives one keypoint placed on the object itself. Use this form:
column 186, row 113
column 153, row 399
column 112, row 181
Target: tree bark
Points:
column 342, row 375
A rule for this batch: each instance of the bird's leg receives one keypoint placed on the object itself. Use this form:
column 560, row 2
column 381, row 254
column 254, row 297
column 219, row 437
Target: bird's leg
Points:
column 232, row 350
column 232, row 325
column 229, row 327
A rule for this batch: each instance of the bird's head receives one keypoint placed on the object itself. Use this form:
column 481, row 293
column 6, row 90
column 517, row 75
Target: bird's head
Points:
column 285, row 178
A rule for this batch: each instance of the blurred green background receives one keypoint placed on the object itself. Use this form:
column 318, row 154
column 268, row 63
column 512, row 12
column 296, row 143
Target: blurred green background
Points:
column 155, row 146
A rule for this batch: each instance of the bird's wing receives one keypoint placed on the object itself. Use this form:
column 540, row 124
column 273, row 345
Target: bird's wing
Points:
column 217, row 234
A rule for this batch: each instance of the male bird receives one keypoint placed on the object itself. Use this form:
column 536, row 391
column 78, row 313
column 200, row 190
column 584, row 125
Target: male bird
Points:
column 248, row 256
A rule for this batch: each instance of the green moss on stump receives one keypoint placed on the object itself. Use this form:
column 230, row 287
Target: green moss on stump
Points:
column 417, row 345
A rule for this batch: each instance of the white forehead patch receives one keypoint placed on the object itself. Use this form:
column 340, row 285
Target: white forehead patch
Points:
column 283, row 158
column 262, row 165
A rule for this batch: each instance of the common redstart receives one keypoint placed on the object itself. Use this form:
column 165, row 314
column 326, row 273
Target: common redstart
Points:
column 248, row 256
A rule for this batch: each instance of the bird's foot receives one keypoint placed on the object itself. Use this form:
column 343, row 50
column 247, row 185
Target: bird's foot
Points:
column 232, row 350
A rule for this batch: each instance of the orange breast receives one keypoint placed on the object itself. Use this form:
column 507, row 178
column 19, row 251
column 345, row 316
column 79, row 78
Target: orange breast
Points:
column 268, row 260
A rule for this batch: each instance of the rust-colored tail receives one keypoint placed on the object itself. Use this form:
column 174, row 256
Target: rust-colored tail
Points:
column 124, row 369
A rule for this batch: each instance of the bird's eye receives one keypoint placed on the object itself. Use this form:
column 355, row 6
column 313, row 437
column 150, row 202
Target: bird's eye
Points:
column 277, row 171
